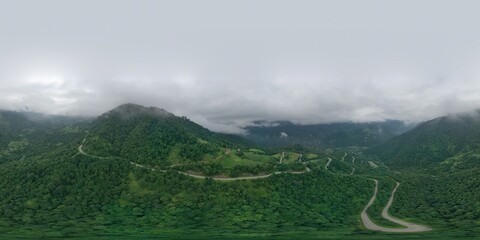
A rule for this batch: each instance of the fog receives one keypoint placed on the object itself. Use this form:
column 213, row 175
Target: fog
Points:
column 226, row 63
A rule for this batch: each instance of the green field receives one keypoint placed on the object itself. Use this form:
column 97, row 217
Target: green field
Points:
column 232, row 160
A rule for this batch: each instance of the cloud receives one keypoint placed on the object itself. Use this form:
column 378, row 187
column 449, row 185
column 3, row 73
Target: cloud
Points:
column 227, row 64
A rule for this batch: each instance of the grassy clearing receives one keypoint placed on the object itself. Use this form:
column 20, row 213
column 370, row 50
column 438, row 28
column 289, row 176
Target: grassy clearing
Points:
column 291, row 157
column 260, row 157
column 17, row 145
column 134, row 186
column 255, row 150
column 231, row 160
column 202, row 141
column 310, row 156
column 71, row 129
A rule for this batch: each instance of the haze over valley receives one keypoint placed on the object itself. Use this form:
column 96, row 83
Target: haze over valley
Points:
column 239, row 119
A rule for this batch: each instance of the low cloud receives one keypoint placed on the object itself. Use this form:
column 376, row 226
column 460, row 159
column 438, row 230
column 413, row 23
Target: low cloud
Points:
column 323, row 63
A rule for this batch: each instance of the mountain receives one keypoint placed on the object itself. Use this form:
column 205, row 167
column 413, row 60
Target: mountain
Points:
column 438, row 163
column 28, row 134
column 324, row 135
column 432, row 141
column 141, row 172
column 12, row 124
column 109, row 178
column 153, row 136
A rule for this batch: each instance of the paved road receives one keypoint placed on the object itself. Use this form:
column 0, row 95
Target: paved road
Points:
column 80, row 150
column 81, row 146
column 228, row 178
column 328, row 163
column 222, row 178
column 410, row 227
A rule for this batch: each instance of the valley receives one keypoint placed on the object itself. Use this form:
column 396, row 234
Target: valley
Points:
column 268, row 120
column 150, row 172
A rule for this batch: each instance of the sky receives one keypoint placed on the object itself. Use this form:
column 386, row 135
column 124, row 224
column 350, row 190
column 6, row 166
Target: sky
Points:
column 226, row 63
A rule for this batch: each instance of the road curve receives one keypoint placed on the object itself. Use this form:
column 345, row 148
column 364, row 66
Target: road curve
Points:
column 81, row 146
column 80, row 150
column 227, row 178
column 222, row 178
column 412, row 227
column 328, row 163
column 409, row 227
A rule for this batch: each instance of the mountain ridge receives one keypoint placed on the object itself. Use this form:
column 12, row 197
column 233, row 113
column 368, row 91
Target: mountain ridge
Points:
column 432, row 141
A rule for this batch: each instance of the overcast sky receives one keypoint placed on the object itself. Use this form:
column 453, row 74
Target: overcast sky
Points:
column 224, row 63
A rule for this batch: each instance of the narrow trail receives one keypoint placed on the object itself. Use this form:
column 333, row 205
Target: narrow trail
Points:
column 307, row 170
column 343, row 158
column 409, row 227
column 281, row 158
column 328, row 163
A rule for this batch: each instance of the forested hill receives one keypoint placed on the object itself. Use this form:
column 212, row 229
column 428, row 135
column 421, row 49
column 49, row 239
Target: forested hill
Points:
column 325, row 135
column 433, row 141
column 143, row 172
column 12, row 124
column 24, row 134
column 153, row 136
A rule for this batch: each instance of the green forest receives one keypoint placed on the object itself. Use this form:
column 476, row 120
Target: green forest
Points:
column 126, row 174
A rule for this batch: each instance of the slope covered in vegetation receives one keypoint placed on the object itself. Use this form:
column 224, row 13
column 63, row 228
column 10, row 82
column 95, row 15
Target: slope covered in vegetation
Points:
column 125, row 174
column 432, row 142
column 324, row 135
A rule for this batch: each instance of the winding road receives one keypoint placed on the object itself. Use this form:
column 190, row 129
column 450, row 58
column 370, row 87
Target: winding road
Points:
column 343, row 158
column 80, row 150
column 222, row 178
column 409, row 227
column 368, row 223
column 328, row 163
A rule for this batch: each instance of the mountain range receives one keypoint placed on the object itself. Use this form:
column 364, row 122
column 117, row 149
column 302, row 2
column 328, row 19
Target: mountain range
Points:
column 142, row 172
column 345, row 134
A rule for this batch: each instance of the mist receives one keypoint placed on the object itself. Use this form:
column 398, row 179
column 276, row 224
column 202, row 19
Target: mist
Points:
column 224, row 65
